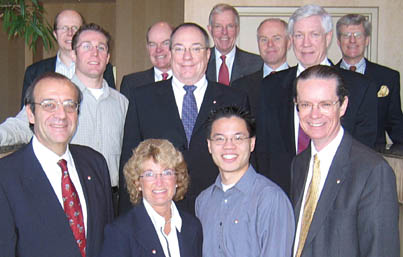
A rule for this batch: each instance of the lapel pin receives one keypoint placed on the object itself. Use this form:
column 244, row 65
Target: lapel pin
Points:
column 154, row 251
column 214, row 102
column 89, row 177
column 236, row 221
column 338, row 181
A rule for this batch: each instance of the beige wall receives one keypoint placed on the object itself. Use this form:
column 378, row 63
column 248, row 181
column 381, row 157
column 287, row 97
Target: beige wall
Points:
column 390, row 33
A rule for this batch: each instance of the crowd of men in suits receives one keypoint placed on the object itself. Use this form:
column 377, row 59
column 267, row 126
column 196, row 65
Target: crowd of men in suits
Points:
column 311, row 138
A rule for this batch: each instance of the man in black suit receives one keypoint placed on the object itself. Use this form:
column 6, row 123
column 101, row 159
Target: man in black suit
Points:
column 353, row 35
column 273, row 43
column 34, row 189
column 279, row 137
column 224, row 29
column 169, row 109
column 66, row 24
column 157, row 39
column 344, row 194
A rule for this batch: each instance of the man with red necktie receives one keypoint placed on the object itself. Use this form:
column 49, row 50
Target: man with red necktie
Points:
column 55, row 198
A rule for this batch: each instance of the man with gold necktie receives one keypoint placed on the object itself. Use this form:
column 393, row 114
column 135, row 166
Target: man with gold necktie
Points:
column 55, row 197
column 344, row 194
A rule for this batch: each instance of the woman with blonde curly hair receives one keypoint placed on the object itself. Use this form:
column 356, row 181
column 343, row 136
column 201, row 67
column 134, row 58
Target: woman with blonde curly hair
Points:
column 156, row 176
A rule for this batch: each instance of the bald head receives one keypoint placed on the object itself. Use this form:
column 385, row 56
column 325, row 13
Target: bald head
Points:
column 66, row 24
column 158, row 39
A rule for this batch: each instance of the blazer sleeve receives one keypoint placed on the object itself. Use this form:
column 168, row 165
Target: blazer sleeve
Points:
column 8, row 236
column 116, row 243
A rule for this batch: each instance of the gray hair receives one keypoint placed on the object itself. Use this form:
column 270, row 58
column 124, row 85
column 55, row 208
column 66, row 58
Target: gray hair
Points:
column 354, row 19
column 220, row 8
column 308, row 11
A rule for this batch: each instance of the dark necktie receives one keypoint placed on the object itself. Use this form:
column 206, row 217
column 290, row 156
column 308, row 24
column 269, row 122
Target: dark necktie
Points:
column 164, row 76
column 223, row 74
column 303, row 140
column 72, row 207
column 272, row 72
column 189, row 111
column 353, row 68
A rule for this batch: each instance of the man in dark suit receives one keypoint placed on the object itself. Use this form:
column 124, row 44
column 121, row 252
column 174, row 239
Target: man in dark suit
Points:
column 279, row 137
column 166, row 110
column 344, row 194
column 353, row 35
column 273, row 43
column 36, row 194
column 66, row 24
column 224, row 29
column 157, row 39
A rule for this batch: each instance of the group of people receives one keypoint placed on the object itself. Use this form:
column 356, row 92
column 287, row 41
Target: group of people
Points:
column 211, row 152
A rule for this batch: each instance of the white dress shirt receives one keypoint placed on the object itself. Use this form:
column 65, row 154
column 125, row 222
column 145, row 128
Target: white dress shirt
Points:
column 267, row 69
column 48, row 160
column 169, row 243
column 63, row 69
column 229, row 61
column 158, row 74
column 180, row 92
column 325, row 156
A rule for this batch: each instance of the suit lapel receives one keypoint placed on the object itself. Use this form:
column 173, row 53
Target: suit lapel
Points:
column 335, row 178
column 211, row 73
column 300, row 174
column 236, row 66
column 44, row 200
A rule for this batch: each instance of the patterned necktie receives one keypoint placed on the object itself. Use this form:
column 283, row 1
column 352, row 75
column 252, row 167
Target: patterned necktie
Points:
column 164, row 76
column 353, row 68
column 189, row 111
column 303, row 140
column 72, row 207
column 223, row 74
column 311, row 200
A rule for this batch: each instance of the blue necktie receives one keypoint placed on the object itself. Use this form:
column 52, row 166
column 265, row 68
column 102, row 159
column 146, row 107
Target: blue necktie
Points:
column 189, row 111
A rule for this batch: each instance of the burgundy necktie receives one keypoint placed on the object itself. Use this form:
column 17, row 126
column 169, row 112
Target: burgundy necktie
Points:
column 72, row 207
column 223, row 75
column 353, row 68
column 272, row 72
column 164, row 76
column 303, row 140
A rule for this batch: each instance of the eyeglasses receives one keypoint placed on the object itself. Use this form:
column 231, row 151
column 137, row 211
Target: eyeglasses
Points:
column 65, row 29
column 87, row 46
column 51, row 105
column 163, row 44
column 237, row 139
column 356, row 35
column 324, row 106
column 150, row 175
column 194, row 50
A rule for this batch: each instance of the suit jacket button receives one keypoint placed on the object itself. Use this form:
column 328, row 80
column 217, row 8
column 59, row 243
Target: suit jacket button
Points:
column 154, row 251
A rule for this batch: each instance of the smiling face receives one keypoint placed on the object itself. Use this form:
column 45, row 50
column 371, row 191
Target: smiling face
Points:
column 224, row 31
column 69, row 19
column 232, row 159
column 54, row 129
column 273, row 43
column 321, row 126
column 160, row 191
column 309, row 41
column 91, row 63
column 158, row 46
column 353, row 47
column 189, row 67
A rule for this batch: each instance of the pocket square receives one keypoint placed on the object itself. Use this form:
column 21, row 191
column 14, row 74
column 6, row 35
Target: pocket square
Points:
column 383, row 91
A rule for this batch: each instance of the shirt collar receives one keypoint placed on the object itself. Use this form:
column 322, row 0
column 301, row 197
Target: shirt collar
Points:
column 83, row 88
column 230, row 55
column 360, row 66
column 158, row 73
column 302, row 68
column 244, row 184
column 159, row 221
column 267, row 69
column 45, row 155
column 331, row 148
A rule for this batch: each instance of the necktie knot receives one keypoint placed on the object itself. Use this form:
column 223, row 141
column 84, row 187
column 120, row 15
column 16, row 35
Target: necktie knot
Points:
column 223, row 57
column 164, row 76
column 189, row 89
column 62, row 164
column 353, row 68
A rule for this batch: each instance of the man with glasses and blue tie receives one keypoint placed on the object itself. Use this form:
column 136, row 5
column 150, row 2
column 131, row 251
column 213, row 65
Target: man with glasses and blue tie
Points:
column 66, row 24
column 55, row 197
column 243, row 213
column 176, row 109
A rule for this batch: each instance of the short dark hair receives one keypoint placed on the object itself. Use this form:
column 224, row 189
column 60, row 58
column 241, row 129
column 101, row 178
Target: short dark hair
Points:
column 232, row 111
column 192, row 25
column 354, row 19
column 90, row 27
column 323, row 72
column 56, row 21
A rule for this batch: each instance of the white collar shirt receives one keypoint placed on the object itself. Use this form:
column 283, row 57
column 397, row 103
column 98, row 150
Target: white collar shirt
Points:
column 158, row 74
column 63, row 69
column 267, row 69
column 325, row 156
column 229, row 61
column 179, row 92
column 48, row 160
column 360, row 66
column 169, row 243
